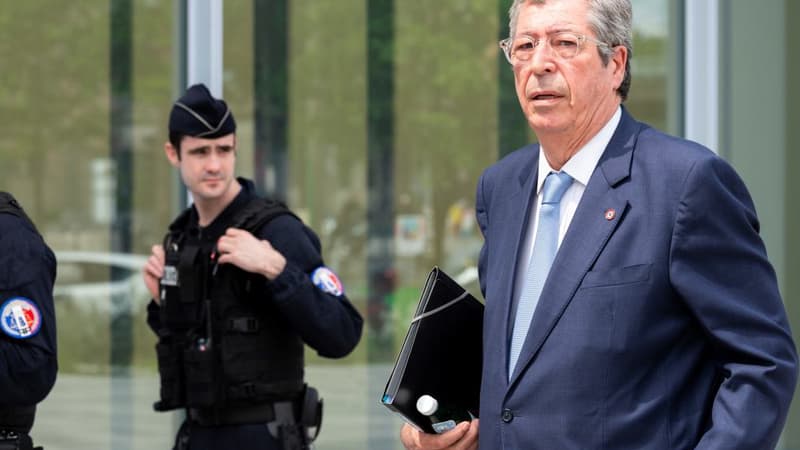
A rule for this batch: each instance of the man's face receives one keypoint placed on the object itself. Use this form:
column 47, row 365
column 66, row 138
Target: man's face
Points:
column 206, row 165
column 572, row 96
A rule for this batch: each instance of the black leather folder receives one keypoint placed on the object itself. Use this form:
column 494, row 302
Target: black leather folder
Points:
column 442, row 353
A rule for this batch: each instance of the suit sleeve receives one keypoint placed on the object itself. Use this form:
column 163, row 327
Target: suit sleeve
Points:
column 719, row 267
column 27, row 270
column 328, row 323
column 482, row 217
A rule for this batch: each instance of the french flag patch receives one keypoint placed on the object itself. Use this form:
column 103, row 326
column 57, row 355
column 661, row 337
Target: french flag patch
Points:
column 327, row 281
column 20, row 318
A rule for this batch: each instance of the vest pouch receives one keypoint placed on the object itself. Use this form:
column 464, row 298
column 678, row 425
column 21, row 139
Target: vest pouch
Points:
column 169, row 371
column 181, row 289
column 201, row 385
column 242, row 358
column 252, row 377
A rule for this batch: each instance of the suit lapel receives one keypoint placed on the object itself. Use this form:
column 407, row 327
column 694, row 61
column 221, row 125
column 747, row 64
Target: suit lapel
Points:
column 586, row 236
column 510, row 236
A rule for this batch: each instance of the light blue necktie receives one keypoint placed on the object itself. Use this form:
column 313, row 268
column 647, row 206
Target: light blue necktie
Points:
column 545, row 246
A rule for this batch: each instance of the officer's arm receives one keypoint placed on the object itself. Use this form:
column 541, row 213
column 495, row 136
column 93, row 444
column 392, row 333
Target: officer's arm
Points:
column 151, row 274
column 323, row 317
column 153, row 316
column 28, row 346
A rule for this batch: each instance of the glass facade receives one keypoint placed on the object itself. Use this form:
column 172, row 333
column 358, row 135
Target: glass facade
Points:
column 372, row 118
column 86, row 94
column 759, row 105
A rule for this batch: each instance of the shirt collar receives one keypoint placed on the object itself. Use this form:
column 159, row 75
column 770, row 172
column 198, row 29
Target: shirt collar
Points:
column 582, row 163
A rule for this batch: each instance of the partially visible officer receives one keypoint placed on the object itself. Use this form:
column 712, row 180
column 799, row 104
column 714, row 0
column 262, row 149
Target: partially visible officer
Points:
column 27, row 323
column 238, row 286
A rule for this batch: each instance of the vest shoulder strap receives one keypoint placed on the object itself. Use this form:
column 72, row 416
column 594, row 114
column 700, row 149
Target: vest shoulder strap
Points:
column 258, row 212
column 255, row 214
column 180, row 222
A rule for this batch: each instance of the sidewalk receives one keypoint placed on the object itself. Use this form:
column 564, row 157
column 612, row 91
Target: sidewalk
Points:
column 84, row 412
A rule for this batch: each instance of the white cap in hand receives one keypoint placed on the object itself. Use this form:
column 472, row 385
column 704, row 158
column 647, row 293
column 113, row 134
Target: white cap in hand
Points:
column 427, row 405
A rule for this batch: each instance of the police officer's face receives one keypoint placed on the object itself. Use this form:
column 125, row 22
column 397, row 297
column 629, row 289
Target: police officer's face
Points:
column 206, row 165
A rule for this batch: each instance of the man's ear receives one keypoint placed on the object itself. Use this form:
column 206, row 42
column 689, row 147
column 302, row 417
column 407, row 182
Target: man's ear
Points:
column 619, row 59
column 172, row 154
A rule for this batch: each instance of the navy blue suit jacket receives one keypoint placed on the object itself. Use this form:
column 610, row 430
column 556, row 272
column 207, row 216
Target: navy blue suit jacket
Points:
column 658, row 328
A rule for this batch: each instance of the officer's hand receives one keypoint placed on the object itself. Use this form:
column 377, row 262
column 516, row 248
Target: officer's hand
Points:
column 247, row 252
column 463, row 437
column 153, row 270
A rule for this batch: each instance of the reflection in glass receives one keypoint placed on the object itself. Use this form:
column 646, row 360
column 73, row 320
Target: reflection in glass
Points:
column 377, row 144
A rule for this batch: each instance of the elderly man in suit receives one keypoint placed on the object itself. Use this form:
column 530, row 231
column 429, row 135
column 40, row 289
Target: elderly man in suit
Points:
column 629, row 300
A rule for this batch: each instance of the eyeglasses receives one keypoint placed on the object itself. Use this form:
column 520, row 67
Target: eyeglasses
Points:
column 564, row 44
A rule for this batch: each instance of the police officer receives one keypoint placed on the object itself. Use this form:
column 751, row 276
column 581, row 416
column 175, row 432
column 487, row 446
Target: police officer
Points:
column 238, row 285
column 27, row 324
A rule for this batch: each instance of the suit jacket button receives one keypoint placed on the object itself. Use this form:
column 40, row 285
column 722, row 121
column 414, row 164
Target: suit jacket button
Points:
column 507, row 416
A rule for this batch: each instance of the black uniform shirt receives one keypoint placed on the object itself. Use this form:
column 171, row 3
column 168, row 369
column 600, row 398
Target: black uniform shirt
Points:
column 327, row 323
column 27, row 272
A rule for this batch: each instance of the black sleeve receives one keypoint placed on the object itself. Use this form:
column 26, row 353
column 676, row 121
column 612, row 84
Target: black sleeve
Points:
column 153, row 316
column 328, row 323
column 28, row 364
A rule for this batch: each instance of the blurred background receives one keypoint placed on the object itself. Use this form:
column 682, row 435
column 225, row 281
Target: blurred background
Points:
column 373, row 119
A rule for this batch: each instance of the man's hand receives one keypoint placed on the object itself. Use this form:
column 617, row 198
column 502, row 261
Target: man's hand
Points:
column 153, row 270
column 245, row 251
column 463, row 437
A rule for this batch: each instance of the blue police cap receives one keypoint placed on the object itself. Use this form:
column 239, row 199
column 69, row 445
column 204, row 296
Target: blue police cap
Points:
column 197, row 113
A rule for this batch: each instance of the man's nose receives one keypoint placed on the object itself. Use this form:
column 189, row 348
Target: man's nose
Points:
column 542, row 60
column 214, row 162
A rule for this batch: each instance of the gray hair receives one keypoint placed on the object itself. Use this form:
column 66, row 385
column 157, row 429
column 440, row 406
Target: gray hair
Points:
column 611, row 21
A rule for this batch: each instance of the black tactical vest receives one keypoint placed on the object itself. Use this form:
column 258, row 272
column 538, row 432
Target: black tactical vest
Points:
column 16, row 418
column 222, row 343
